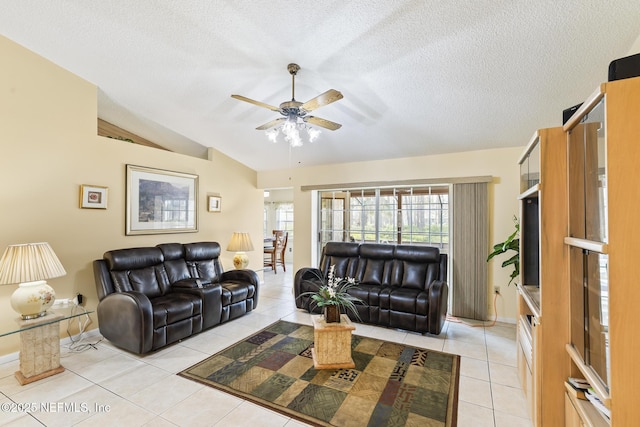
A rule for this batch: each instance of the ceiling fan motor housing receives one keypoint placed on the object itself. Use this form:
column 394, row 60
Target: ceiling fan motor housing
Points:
column 289, row 108
column 293, row 69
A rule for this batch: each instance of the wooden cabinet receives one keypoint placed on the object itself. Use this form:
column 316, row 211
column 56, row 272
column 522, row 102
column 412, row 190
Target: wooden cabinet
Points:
column 543, row 323
column 603, row 144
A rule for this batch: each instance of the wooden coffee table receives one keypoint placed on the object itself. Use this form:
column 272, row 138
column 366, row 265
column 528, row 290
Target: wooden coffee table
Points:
column 332, row 343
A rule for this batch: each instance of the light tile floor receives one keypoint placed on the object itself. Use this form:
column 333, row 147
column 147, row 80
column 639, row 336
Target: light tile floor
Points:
column 108, row 386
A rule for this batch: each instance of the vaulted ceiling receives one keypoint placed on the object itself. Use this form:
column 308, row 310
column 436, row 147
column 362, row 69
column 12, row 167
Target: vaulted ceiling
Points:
column 419, row 77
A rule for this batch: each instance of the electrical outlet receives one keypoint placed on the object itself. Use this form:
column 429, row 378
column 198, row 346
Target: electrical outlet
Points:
column 496, row 290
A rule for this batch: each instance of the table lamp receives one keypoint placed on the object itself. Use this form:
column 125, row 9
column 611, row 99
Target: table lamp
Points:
column 30, row 265
column 240, row 243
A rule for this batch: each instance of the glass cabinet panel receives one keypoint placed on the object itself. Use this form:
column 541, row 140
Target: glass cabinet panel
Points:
column 587, row 177
column 534, row 165
column 590, row 309
column 595, row 176
column 530, row 168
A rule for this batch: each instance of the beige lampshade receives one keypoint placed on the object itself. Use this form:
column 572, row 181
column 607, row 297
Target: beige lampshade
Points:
column 240, row 242
column 30, row 265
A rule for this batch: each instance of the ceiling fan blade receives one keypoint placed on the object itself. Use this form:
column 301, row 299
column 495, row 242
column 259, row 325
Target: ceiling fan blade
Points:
column 271, row 124
column 322, row 123
column 258, row 103
column 321, row 100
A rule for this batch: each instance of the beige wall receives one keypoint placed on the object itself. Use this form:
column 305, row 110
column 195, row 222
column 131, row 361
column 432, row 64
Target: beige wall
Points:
column 49, row 147
column 503, row 191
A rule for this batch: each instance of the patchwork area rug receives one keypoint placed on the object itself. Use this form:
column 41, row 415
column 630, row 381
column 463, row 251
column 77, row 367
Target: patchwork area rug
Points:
column 391, row 384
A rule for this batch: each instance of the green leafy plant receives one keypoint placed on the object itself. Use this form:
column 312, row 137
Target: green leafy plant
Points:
column 511, row 244
column 333, row 291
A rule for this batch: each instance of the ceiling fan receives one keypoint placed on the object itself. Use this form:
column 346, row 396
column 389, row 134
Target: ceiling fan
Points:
column 295, row 112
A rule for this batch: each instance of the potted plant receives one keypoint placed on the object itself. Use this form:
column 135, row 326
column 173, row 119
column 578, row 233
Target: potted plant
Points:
column 332, row 296
column 512, row 243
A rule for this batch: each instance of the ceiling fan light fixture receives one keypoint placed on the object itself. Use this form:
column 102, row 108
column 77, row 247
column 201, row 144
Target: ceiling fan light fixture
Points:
column 292, row 130
column 291, row 133
column 313, row 133
column 272, row 134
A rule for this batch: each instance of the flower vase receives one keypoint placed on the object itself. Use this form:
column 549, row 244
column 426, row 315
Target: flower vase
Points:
column 332, row 314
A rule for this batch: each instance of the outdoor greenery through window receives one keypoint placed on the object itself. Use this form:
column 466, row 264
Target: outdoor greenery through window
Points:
column 415, row 215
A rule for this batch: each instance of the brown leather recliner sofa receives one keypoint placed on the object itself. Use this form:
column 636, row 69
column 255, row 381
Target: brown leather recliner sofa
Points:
column 151, row 297
column 402, row 286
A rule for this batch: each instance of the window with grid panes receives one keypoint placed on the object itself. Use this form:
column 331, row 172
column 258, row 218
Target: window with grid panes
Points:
column 284, row 218
column 406, row 215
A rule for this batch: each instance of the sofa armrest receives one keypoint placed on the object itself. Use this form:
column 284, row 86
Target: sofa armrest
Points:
column 104, row 284
column 304, row 281
column 438, row 302
column 245, row 275
column 126, row 319
column 190, row 284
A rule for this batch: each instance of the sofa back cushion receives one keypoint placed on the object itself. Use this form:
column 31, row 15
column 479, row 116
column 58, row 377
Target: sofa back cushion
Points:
column 137, row 269
column 202, row 260
column 343, row 255
column 415, row 267
column 174, row 262
column 375, row 264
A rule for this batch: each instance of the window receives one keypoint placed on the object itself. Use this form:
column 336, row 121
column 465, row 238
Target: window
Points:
column 284, row 218
column 415, row 215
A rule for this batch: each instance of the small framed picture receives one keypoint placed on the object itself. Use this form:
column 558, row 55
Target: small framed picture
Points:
column 215, row 204
column 93, row 197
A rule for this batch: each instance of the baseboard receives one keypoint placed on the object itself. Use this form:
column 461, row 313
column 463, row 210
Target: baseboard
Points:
column 506, row 320
column 63, row 341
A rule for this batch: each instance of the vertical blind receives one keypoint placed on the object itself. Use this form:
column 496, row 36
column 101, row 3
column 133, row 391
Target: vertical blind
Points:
column 469, row 251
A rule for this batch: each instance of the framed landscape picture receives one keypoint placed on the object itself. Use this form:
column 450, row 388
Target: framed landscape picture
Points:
column 160, row 201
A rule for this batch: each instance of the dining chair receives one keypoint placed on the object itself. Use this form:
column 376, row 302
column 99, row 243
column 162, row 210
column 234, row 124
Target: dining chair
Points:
column 275, row 254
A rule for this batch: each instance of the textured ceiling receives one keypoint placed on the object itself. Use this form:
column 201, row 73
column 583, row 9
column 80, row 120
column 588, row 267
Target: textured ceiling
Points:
column 418, row 77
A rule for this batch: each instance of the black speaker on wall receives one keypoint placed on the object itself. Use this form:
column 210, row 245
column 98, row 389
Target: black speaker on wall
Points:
column 625, row 68
column 567, row 113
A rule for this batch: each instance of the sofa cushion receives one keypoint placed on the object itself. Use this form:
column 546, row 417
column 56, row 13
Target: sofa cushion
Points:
column 202, row 259
column 344, row 256
column 415, row 267
column 235, row 292
column 374, row 265
column 174, row 263
column 174, row 307
column 137, row 269
column 407, row 300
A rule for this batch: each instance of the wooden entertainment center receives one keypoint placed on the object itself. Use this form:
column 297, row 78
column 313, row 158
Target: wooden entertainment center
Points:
column 578, row 293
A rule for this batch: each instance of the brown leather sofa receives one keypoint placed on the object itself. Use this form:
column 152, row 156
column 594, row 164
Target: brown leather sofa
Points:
column 154, row 296
column 402, row 286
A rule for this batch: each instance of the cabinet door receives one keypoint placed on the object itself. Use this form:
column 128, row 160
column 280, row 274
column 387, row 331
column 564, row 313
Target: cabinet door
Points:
column 571, row 417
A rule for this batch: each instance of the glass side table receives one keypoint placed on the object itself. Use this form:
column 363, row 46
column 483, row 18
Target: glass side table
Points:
column 40, row 342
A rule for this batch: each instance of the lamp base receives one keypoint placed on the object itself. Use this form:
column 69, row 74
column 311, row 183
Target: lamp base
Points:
column 240, row 260
column 32, row 299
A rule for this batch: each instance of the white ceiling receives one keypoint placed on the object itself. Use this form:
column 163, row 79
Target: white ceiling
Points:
column 419, row 77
